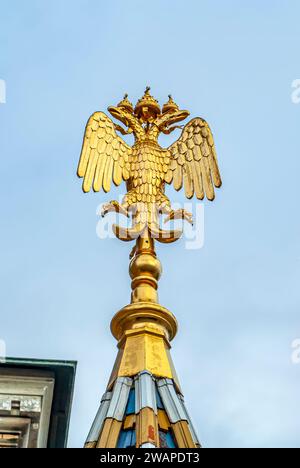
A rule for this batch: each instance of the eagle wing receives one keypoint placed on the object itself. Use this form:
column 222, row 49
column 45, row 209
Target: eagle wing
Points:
column 193, row 161
column 104, row 155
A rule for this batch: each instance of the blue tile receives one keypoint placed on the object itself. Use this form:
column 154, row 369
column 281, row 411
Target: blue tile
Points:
column 130, row 408
column 158, row 401
column 126, row 439
column 166, row 440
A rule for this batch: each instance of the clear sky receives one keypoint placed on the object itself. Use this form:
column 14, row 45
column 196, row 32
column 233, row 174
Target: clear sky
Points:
column 237, row 298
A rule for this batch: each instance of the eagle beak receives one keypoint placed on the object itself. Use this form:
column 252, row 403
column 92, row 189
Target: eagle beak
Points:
column 118, row 113
column 115, row 111
column 174, row 116
column 178, row 116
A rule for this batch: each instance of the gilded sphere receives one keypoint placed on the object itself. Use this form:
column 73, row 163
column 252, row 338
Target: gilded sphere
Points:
column 145, row 264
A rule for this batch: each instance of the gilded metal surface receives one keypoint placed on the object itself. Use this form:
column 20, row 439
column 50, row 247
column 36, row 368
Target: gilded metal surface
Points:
column 130, row 421
column 156, row 317
column 144, row 328
column 110, row 434
column 145, row 351
column 146, row 428
column 90, row 445
column 146, row 167
column 183, row 435
column 163, row 420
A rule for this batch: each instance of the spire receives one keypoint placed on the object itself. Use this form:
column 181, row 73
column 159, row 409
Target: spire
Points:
column 143, row 405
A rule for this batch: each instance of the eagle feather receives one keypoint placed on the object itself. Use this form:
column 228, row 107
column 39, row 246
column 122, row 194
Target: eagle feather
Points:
column 103, row 155
column 194, row 161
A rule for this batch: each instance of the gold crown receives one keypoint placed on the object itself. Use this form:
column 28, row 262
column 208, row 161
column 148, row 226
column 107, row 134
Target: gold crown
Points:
column 170, row 105
column 147, row 101
column 126, row 104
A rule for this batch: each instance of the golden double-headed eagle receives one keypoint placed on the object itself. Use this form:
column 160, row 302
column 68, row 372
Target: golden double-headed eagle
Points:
column 146, row 167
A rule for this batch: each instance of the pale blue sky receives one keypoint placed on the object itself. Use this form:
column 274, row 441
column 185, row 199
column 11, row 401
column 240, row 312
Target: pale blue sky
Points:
column 236, row 299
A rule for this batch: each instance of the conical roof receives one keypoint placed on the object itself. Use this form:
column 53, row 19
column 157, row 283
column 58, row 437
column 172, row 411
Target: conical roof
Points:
column 143, row 405
column 140, row 412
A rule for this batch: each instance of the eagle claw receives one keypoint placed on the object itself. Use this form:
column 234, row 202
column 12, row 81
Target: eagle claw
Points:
column 180, row 214
column 113, row 206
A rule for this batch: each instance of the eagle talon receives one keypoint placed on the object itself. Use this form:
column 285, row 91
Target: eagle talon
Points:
column 113, row 206
column 180, row 214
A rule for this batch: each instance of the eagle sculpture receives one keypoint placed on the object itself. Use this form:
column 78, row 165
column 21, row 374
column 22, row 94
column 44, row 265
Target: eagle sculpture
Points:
column 146, row 167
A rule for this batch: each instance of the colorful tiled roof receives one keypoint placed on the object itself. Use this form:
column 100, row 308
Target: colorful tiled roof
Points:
column 141, row 412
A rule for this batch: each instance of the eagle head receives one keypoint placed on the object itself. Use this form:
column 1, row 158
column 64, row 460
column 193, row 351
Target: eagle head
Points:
column 123, row 111
column 170, row 114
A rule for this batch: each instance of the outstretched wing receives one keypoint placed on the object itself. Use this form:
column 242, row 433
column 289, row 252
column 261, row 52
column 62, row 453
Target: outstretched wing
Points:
column 104, row 155
column 194, row 161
